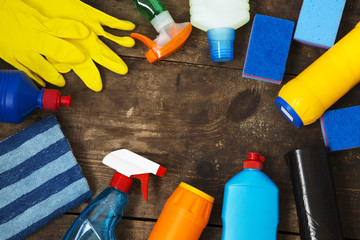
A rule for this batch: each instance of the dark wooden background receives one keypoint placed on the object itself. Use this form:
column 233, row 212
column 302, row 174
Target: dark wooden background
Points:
column 198, row 119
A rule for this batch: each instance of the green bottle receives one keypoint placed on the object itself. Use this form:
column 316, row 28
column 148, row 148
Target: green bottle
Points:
column 172, row 36
column 149, row 8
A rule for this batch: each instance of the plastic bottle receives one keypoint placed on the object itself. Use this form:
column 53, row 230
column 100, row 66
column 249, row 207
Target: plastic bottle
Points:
column 19, row 97
column 251, row 203
column 98, row 220
column 220, row 19
column 185, row 215
column 172, row 36
column 304, row 99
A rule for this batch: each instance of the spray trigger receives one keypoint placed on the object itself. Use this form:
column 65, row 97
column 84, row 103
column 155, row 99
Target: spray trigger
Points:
column 170, row 39
column 130, row 165
column 144, row 178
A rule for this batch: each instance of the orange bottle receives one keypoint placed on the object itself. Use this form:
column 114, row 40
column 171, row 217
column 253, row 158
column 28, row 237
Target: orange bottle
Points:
column 185, row 215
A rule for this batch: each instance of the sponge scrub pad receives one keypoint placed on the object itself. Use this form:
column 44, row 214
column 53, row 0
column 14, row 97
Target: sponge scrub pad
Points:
column 341, row 128
column 268, row 49
column 318, row 22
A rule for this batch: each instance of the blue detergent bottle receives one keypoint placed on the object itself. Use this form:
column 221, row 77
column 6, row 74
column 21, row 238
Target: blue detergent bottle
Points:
column 251, row 204
column 98, row 220
column 19, row 97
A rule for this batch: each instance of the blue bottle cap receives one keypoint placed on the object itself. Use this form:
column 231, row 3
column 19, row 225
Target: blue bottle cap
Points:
column 221, row 42
column 288, row 112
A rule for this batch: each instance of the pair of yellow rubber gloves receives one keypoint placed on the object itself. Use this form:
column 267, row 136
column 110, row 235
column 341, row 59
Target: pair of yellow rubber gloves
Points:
column 45, row 38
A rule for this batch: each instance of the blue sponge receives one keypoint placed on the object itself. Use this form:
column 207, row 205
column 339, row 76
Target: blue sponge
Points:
column 318, row 22
column 268, row 49
column 341, row 128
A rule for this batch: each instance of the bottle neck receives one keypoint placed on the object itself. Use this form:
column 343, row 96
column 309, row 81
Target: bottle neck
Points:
column 149, row 8
column 255, row 161
column 162, row 20
column 121, row 182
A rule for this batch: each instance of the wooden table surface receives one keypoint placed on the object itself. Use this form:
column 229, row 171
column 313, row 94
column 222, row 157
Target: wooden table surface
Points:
column 197, row 118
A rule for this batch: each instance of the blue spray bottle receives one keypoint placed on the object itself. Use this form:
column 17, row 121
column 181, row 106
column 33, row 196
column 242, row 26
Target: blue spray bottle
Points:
column 98, row 220
column 251, row 204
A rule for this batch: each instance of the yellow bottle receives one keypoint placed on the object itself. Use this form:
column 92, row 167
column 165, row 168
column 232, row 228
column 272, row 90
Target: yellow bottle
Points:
column 305, row 98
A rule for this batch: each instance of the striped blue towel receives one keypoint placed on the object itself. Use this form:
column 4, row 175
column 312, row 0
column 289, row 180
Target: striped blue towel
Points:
column 39, row 179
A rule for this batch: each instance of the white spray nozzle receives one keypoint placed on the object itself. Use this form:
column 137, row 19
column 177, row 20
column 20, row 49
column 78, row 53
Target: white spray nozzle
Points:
column 129, row 163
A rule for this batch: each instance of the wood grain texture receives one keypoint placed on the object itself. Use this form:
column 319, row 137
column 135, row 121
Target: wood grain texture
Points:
column 129, row 229
column 198, row 119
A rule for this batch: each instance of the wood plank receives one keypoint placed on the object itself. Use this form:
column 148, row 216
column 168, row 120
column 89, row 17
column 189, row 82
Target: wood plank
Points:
column 199, row 122
column 197, row 118
column 128, row 229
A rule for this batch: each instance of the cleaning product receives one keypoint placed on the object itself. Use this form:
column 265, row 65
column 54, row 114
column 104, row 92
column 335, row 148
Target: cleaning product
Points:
column 304, row 99
column 268, row 49
column 341, row 128
column 318, row 22
column 99, row 218
column 172, row 36
column 251, row 203
column 185, row 215
column 220, row 19
column 19, row 96
column 40, row 179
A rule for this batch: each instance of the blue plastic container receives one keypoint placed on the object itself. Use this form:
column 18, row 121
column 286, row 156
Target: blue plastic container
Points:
column 221, row 42
column 98, row 220
column 251, row 204
column 19, row 97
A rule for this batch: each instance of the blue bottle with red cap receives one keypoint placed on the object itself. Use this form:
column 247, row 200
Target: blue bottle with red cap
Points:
column 251, row 203
column 19, row 97
column 98, row 220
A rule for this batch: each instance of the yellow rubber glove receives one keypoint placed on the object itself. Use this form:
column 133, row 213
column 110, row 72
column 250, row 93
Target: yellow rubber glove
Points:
column 27, row 37
column 91, row 45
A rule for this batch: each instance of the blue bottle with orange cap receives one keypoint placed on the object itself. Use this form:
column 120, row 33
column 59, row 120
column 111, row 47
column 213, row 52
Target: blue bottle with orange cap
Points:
column 251, row 203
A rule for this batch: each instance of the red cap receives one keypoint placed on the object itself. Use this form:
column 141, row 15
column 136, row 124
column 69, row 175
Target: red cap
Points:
column 52, row 99
column 255, row 161
column 121, row 182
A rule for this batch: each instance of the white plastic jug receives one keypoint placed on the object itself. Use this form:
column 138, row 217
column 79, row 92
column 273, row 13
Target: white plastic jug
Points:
column 220, row 19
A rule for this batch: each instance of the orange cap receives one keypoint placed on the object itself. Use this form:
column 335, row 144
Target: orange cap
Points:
column 185, row 215
column 156, row 52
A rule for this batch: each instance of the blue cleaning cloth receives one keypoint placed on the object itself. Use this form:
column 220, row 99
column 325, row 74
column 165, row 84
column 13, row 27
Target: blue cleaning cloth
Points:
column 39, row 179
column 319, row 22
column 341, row 128
column 268, row 49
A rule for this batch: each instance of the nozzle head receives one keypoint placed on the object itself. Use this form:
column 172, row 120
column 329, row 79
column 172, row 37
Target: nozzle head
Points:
column 161, row 171
column 52, row 99
column 221, row 42
column 255, row 161
column 65, row 101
